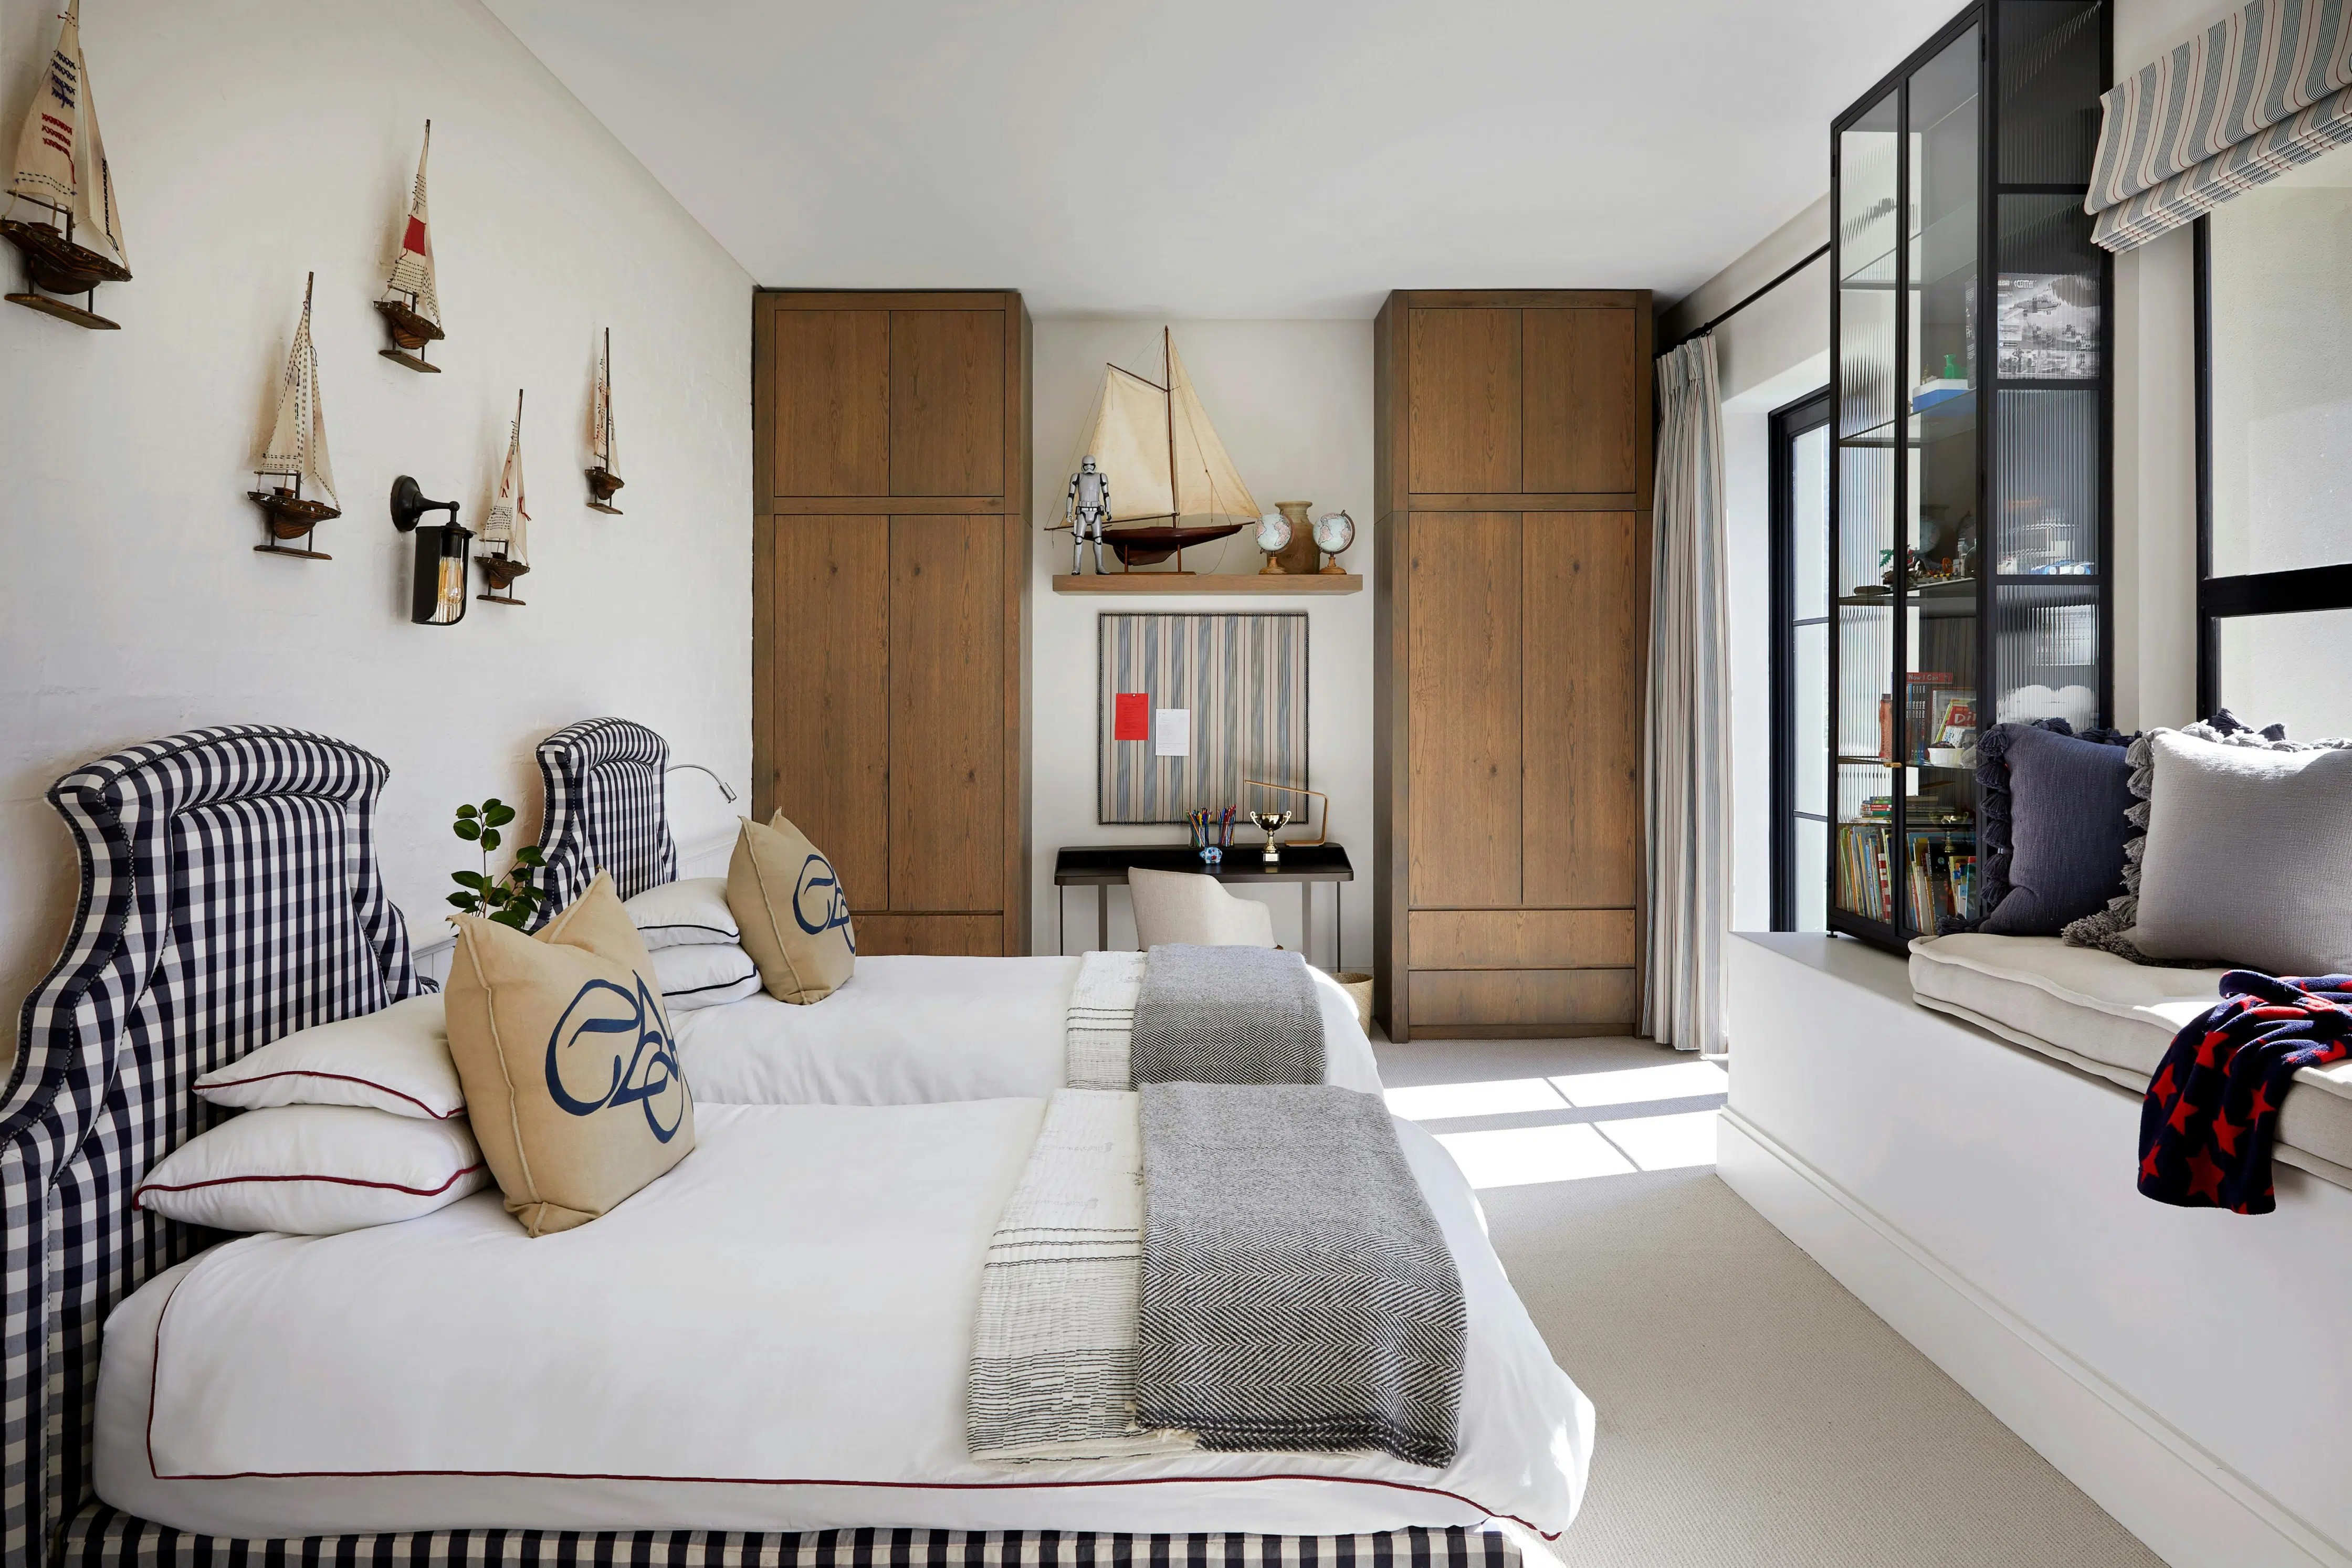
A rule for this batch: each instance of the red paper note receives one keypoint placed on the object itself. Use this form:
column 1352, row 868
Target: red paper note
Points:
column 1131, row 715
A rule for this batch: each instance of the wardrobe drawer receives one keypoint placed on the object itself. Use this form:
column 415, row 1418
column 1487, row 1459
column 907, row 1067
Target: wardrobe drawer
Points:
column 1521, row 938
column 956, row 936
column 1491, row 997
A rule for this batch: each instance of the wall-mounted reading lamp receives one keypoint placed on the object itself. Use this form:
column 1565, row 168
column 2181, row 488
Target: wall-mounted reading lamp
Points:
column 699, row 768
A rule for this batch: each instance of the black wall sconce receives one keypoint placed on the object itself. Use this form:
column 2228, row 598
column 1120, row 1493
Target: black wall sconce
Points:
column 443, row 556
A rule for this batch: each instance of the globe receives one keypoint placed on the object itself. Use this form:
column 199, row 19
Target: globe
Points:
column 1333, row 531
column 1273, row 533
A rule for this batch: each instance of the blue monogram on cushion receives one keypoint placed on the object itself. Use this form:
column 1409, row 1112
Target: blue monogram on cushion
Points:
column 819, row 904
column 615, row 1045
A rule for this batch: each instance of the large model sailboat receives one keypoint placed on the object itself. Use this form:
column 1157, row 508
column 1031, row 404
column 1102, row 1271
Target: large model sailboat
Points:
column 1171, row 484
column 61, row 211
column 505, row 552
column 296, row 455
column 411, row 307
column 603, row 476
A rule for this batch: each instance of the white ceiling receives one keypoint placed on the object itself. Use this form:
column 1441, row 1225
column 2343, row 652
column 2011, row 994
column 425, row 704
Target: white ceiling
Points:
column 1222, row 158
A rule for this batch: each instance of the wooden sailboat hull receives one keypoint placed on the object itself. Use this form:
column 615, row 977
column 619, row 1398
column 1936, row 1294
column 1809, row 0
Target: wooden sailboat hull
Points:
column 602, row 483
column 57, row 264
column 1151, row 543
column 410, row 333
column 502, row 571
column 292, row 516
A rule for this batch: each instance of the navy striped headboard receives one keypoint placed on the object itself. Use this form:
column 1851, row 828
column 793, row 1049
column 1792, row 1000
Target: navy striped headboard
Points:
column 605, row 812
column 229, row 895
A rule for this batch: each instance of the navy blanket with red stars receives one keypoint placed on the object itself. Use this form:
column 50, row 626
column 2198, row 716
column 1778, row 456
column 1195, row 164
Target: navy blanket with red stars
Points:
column 2205, row 1129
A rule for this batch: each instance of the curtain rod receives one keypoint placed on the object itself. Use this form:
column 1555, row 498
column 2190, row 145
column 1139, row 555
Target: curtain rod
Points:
column 1704, row 328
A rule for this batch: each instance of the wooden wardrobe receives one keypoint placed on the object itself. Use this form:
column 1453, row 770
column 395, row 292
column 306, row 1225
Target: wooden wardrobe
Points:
column 1510, row 636
column 890, row 562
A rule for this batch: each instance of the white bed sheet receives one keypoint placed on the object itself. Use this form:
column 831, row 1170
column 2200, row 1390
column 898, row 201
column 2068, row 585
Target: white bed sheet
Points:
column 775, row 1335
column 919, row 1031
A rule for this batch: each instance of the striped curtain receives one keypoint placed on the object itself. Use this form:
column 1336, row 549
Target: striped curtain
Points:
column 2262, row 91
column 1686, row 728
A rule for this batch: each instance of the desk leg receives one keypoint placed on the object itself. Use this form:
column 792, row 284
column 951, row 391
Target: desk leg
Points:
column 1306, row 921
column 1061, row 945
column 1102, row 917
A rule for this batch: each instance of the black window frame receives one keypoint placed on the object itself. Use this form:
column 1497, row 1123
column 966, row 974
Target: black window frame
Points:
column 1791, row 420
column 2296, row 591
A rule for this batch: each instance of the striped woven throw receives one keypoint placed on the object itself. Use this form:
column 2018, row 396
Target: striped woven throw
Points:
column 1053, row 1364
column 1097, row 1028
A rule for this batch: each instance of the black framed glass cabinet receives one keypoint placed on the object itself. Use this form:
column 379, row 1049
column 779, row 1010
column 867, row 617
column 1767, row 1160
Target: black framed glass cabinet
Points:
column 1969, row 521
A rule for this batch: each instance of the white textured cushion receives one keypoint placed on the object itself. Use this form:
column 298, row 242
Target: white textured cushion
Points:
column 704, row 975
column 2249, row 855
column 2105, row 1014
column 396, row 1059
column 691, row 912
column 313, row 1170
column 1182, row 906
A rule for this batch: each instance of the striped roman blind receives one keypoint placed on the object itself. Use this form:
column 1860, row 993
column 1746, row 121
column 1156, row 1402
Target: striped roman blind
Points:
column 2265, row 89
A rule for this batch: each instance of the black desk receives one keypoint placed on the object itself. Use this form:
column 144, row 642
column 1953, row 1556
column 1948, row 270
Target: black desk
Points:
column 1103, row 867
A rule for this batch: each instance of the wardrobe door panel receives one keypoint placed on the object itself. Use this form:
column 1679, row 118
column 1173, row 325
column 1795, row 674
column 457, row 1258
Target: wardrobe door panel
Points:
column 1463, row 402
column 1463, row 678
column 1584, row 402
column 831, row 393
column 947, row 402
column 829, row 680
column 947, row 714
column 1582, row 577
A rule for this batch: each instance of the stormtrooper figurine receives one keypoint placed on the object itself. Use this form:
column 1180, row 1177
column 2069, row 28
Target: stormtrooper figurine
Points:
column 1088, row 510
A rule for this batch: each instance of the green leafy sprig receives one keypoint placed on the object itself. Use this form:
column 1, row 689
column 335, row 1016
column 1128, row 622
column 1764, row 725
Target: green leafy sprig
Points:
column 509, row 900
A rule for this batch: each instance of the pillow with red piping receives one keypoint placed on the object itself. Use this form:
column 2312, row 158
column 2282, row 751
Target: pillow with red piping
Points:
column 314, row 1170
column 395, row 1059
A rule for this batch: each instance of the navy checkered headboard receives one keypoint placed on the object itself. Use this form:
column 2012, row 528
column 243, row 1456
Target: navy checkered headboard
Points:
column 229, row 895
column 605, row 812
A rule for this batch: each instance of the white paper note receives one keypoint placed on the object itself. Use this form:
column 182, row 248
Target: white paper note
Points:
column 1171, row 732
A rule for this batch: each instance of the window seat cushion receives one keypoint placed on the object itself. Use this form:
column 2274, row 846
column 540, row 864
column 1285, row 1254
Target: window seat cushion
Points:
column 2105, row 1014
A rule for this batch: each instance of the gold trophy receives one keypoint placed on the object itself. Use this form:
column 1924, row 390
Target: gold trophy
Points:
column 1272, row 822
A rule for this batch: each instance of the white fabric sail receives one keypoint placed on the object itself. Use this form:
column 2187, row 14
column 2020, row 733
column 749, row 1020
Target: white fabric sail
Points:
column 411, row 269
column 600, row 412
column 505, row 530
column 1207, row 484
column 60, row 156
column 1135, row 445
column 297, row 438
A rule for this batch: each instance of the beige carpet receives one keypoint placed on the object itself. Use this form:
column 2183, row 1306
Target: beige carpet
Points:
column 1752, row 1412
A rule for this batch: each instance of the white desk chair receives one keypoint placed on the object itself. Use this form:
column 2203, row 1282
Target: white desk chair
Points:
column 1179, row 906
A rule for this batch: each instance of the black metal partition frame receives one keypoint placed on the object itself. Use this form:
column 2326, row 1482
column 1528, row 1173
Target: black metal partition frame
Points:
column 1972, row 397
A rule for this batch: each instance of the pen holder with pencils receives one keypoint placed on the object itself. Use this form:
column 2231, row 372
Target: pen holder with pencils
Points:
column 1213, row 832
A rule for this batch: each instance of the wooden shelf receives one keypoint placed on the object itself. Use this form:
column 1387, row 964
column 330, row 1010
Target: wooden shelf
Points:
column 1173, row 582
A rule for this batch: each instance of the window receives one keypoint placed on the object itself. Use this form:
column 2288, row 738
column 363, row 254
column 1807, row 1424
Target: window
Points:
column 2274, row 451
column 1800, row 667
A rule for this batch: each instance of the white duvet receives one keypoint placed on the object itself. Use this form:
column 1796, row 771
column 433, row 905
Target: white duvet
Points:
column 917, row 1030
column 775, row 1335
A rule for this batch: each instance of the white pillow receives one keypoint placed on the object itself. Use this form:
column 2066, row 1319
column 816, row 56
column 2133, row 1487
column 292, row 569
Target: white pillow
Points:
column 396, row 1059
column 704, row 977
column 313, row 1170
column 692, row 912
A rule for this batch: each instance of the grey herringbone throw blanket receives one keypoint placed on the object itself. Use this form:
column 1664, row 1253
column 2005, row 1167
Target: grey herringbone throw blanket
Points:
column 1297, row 1291
column 1227, row 1015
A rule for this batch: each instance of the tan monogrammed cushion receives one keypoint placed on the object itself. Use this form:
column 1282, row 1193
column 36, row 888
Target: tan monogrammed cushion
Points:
column 793, row 913
column 564, row 1051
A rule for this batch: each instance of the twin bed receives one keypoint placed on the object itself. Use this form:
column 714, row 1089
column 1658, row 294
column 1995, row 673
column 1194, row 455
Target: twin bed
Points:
column 762, row 1357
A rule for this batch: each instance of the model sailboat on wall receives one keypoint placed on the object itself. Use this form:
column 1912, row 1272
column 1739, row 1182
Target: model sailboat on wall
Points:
column 410, row 305
column 603, row 479
column 296, row 455
column 505, row 551
column 1171, row 484
column 61, row 212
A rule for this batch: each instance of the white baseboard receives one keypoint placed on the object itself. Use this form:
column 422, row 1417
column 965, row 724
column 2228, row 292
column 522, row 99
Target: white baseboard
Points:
column 2190, row 1508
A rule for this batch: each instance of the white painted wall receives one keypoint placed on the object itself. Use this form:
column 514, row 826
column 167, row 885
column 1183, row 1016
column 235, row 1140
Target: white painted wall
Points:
column 1293, row 402
column 252, row 141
